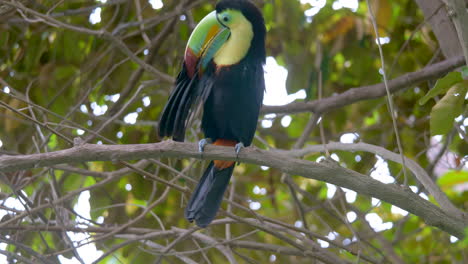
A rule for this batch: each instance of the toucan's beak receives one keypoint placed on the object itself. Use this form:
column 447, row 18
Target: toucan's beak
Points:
column 206, row 39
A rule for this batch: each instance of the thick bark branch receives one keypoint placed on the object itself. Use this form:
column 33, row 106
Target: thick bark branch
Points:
column 326, row 171
column 354, row 95
column 442, row 26
column 460, row 20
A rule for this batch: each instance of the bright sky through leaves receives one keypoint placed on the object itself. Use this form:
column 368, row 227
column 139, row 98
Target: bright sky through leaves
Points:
column 88, row 252
column 156, row 4
column 275, row 82
column 95, row 16
column 350, row 4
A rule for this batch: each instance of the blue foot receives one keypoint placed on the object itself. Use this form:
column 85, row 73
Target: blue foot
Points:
column 202, row 143
column 238, row 148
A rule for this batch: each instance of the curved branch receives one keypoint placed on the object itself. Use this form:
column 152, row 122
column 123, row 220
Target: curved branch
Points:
column 420, row 174
column 354, row 95
column 325, row 171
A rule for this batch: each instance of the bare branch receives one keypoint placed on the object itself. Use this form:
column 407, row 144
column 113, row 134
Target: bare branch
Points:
column 420, row 174
column 460, row 20
column 441, row 25
column 326, row 171
column 354, row 95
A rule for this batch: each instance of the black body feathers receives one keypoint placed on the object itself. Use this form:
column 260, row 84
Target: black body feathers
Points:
column 232, row 96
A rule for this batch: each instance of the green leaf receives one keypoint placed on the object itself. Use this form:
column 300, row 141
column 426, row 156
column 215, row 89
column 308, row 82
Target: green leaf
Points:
column 449, row 107
column 52, row 141
column 4, row 39
column 323, row 193
column 465, row 241
column 442, row 85
column 268, row 14
column 369, row 121
column 452, row 178
column 464, row 72
column 65, row 72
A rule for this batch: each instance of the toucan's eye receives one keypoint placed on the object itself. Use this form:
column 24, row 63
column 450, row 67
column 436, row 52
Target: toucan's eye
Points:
column 225, row 18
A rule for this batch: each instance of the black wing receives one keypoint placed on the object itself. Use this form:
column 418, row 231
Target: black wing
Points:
column 186, row 93
column 174, row 115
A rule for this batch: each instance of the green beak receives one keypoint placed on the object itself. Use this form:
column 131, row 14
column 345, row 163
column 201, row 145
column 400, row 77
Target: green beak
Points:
column 206, row 39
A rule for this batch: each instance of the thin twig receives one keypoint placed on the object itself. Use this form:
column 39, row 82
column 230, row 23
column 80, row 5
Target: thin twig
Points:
column 392, row 110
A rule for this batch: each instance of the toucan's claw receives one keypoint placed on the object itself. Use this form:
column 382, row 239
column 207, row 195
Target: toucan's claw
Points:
column 202, row 143
column 238, row 148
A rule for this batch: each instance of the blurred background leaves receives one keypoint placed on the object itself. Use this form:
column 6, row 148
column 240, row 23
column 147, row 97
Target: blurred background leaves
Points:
column 74, row 82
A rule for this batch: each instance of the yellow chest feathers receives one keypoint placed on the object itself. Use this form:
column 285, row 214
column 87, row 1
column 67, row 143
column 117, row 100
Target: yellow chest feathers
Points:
column 238, row 44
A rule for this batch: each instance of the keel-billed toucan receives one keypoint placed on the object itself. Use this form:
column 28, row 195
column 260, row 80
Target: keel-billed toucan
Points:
column 223, row 69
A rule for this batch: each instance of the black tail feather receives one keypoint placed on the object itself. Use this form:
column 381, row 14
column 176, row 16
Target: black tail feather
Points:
column 174, row 115
column 166, row 122
column 207, row 197
column 182, row 113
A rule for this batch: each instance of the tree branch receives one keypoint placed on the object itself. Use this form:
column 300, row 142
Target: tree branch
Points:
column 326, row 171
column 442, row 27
column 460, row 20
column 354, row 95
column 420, row 174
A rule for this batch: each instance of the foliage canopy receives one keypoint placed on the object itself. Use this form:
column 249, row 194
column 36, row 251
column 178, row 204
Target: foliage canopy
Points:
column 63, row 76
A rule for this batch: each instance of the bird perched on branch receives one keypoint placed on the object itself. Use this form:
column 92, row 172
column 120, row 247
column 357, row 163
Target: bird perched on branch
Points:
column 223, row 69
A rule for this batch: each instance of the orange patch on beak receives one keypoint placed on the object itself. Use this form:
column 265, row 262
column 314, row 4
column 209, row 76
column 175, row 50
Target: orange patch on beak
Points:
column 223, row 164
